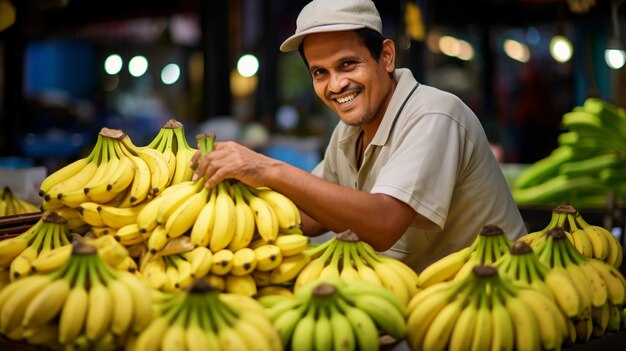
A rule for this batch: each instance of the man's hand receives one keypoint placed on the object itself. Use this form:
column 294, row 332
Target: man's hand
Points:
column 231, row 160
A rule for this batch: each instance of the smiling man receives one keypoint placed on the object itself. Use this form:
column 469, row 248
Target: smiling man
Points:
column 408, row 169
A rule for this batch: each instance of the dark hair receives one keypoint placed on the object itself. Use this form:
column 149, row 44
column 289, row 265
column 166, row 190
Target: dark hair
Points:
column 369, row 37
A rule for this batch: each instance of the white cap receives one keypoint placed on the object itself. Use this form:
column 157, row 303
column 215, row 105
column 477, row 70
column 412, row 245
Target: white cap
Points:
column 333, row 15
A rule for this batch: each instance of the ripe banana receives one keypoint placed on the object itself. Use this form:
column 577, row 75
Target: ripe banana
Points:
column 268, row 257
column 287, row 213
column 225, row 222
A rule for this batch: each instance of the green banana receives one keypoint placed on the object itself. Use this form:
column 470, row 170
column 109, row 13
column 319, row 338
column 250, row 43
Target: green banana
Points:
column 545, row 168
column 557, row 190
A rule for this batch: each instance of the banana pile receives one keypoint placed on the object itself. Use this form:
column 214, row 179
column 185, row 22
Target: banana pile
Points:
column 581, row 286
column 483, row 311
column 118, row 176
column 10, row 204
column 590, row 240
column 588, row 163
column 202, row 318
column 83, row 305
column 242, row 271
column 490, row 244
column 19, row 253
column 346, row 257
column 331, row 314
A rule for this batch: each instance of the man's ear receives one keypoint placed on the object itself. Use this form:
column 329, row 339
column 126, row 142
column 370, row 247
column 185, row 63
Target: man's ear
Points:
column 388, row 55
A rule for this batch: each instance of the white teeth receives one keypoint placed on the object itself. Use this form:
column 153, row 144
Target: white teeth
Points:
column 349, row 98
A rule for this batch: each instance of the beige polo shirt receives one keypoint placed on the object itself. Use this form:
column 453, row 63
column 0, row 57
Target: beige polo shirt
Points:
column 432, row 153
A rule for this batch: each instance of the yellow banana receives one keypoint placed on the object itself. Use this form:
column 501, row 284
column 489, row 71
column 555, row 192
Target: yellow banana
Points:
column 74, row 312
column 129, row 234
column 142, row 300
column 613, row 279
column 240, row 284
column 244, row 261
column 90, row 213
column 225, row 219
column 388, row 276
column 268, row 257
column 443, row 269
column 13, row 306
column 73, row 176
column 222, row 262
column 52, row 260
column 122, row 307
column 201, row 259
column 245, row 226
column 551, row 323
column 139, row 188
column 264, row 215
column 564, row 291
column 183, row 218
column 47, row 304
column 440, row 329
column 202, row 229
column 289, row 268
column 117, row 217
column 157, row 239
column 98, row 319
column 291, row 244
column 462, row 334
column 287, row 213
column 526, row 329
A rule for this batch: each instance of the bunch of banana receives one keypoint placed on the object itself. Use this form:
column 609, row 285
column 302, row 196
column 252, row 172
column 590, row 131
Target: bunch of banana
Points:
column 331, row 314
column 346, row 257
column 593, row 144
column 490, row 244
column 580, row 285
column 483, row 311
column 591, row 241
column 172, row 143
column 202, row 318
column 227, row 216
column 84, row 304
column 522, row 265
column 10, row 204
column 111, row 251
column 558, row 219
column 594, row 241
column 104, row 176
column 46, row 235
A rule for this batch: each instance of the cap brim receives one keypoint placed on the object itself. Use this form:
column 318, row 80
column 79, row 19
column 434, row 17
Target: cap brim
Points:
column 293, row 42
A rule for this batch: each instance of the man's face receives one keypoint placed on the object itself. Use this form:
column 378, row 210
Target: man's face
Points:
column 347, row 78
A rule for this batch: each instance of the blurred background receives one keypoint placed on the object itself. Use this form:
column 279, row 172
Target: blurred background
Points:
column 70, row 67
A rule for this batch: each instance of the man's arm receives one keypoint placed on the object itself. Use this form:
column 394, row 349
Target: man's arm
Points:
column 378, row 219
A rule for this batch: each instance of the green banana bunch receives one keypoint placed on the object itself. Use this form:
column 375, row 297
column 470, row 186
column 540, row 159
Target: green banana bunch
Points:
column 83, row 303
column 593, row 143
column 202, row 318
column 330, row 314
column 10, row 204
column 483, row 310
